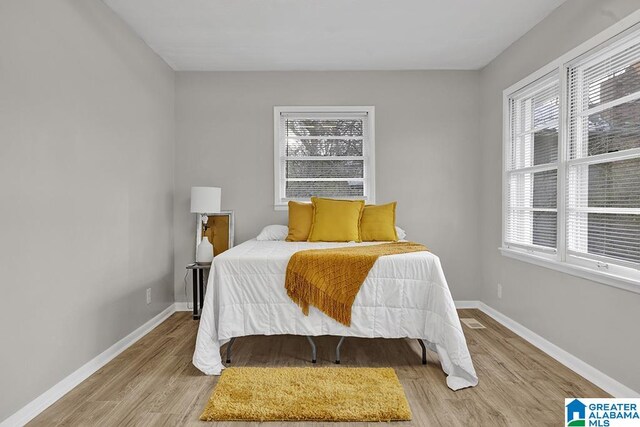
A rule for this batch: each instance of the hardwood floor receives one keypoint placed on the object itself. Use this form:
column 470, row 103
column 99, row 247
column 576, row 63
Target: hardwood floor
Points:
column 154, row 384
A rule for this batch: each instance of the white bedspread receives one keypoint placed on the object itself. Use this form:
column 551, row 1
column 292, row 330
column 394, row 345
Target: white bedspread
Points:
column 404, row 296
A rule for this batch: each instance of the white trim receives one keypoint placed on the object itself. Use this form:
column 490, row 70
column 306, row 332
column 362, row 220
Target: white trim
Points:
column 276, row 160
column 628, row 154
column 551, row 253
column 466, row 304
column 325, row 179
column 42, row 402
column 506, row 156
column 628, row 269
column 549, row 124
column 597, row 377
column 605, row 382
column 574, row 270
column 527, row 209
column 622, row 211
column 607, row 105
column 534, row 169
column 561, row 175
column 322, row 109
column 369, row 150
column 183, row 306
column 46, row 399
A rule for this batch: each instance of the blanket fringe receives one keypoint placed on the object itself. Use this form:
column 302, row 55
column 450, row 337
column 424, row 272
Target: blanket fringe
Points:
column 330, row 279
column 304, row 295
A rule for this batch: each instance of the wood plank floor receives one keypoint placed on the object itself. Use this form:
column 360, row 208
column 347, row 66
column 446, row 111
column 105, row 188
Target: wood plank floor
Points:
column 154, row 384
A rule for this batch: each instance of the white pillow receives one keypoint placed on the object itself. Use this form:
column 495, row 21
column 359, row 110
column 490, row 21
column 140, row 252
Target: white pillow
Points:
column 273, row 232
column 401, row 233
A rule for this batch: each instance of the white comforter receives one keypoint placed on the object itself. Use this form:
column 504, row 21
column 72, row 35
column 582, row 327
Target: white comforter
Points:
column 404, row 296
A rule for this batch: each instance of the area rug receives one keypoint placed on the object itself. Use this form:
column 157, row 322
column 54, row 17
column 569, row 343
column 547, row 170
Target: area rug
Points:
column 307, row 394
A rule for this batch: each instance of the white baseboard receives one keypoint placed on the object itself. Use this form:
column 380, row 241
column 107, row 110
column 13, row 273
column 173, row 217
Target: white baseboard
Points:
column 183, row 306
column 42, row 402
column 577, row 365
column 46, row 399
column 467, row 304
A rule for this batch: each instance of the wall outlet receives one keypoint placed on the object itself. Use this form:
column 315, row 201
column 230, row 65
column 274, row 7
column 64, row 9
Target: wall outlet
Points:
column 499, row 291
column 148, row 295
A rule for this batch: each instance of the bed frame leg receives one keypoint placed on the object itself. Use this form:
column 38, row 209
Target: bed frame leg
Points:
column 313, row 349
column 338, row 350
column 424, row 352
column 229, row 349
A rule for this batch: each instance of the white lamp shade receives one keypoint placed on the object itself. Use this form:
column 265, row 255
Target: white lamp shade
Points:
column 205, row 199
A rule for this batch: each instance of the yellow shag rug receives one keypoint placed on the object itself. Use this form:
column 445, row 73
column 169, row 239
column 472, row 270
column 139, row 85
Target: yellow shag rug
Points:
column 307, row 394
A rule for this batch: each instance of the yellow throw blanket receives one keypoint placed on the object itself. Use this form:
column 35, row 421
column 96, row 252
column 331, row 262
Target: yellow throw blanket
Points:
column 329, row 279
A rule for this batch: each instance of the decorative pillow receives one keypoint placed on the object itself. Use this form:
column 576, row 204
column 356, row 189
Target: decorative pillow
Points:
column 300, row 217
column 401, row 233
column 273, row 232
column 336, row 220
column 378, row 223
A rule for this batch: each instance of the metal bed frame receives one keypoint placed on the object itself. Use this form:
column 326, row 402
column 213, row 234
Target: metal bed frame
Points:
column 311, row 343
column 422, row 345
column 314, row 350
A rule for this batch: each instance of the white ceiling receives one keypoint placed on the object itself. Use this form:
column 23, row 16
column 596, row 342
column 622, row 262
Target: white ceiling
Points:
column 330, row 34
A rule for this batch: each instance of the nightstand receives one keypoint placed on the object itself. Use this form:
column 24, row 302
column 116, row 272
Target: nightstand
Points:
column 198, row 272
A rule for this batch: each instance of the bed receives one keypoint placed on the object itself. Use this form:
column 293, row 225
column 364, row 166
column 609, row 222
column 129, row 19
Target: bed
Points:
column 404, row 296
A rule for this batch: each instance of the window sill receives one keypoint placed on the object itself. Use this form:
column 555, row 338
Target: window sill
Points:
column 575, row 270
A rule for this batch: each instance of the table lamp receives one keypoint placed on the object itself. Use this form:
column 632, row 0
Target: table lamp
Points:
column 204, row 200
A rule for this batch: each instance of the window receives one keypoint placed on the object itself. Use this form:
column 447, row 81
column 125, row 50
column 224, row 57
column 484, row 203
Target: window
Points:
column 572, row 164
column 532, row 167
column 603, row 165
column 323, row 151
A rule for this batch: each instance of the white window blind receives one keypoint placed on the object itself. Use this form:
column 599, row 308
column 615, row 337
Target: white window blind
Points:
column 603, row 165
column 571, row 174
column 324, row 153
column 531, row 167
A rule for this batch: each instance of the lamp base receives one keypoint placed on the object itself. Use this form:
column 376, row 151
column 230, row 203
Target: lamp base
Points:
column 204, row 254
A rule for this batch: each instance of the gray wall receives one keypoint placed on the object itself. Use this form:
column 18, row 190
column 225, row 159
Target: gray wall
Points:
column 88, row 211
column 592, row 321
column 427, row 150
column 86, row 182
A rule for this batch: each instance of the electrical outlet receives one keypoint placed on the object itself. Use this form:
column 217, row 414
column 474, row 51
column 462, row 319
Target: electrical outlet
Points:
column 499, row 291
column 148, row 295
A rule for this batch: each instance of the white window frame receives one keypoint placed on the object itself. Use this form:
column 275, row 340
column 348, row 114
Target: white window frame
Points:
column 368, row 147
column 536, row 87
column 620, row 275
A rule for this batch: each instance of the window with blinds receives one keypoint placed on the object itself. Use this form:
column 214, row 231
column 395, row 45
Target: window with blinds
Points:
column 325, row 152
column 603, row 165
column 572, row 164
column 532, row 167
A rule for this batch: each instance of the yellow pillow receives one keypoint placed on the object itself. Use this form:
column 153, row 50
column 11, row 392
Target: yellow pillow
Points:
column 300, row 217
column 336, row 220
column 378, row 223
